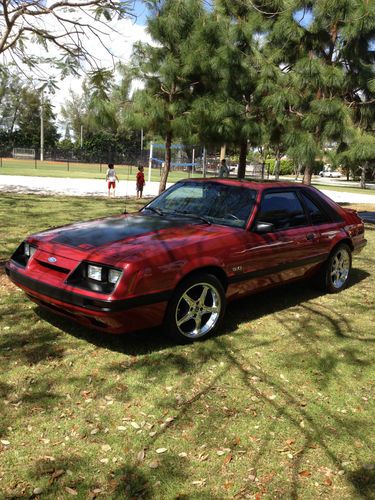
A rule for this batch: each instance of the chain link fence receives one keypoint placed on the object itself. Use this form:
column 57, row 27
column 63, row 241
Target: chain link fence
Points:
column 187, row 161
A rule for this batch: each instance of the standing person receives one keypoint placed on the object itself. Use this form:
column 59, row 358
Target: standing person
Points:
column 111, row 178
column 140, row 182
column 224, row 170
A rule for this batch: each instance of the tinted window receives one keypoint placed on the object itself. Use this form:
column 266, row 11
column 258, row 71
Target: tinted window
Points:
column 284, row 210
column 316, row 214
column 219, row 203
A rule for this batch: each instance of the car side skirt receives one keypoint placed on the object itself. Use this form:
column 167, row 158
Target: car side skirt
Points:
column 278, row 269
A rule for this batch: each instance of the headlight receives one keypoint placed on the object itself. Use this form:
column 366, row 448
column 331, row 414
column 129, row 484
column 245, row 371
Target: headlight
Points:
column 103, row 274
column 95, row 272
column 114, row 275
column 23, row 253
column 29, row 250
column 96, row 277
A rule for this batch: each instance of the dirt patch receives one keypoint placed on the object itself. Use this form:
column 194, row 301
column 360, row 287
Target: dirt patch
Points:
column 5, row 283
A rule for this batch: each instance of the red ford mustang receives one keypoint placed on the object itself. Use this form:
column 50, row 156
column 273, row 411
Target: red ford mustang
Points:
column 180, row 259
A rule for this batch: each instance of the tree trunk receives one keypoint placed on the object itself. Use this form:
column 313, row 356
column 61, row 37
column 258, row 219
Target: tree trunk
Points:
column 242, row 160
column 297, row 168
column 277, row 165
column 223, row 151
column 307, row 175
column 263, row 168
column 363, row 175
column 14, row 119
column 167, row 163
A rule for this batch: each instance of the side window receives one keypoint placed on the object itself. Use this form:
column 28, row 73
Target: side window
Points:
column 284, row 210
column 316, row 214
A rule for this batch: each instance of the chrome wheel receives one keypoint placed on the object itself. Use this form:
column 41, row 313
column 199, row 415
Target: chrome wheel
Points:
column 198, row 310
column 340, row 268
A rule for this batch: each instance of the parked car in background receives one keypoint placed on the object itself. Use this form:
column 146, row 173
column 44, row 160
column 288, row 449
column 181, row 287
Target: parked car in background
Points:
column 179, row 260
column 330, row 173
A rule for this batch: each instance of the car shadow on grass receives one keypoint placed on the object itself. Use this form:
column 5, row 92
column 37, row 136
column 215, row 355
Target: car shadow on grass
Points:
column 238, row 312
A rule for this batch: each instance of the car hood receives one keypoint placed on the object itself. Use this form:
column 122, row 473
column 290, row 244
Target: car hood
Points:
column 126, row 236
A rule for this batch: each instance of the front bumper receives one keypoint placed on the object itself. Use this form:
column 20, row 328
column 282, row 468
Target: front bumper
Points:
column 113, row 316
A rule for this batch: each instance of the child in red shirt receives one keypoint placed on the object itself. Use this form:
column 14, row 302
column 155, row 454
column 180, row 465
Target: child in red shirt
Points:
column 140, row 182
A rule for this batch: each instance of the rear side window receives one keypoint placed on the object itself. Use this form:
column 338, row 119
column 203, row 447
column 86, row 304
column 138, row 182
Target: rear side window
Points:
column 283, row 210
column 317, row 215
column 333, row 215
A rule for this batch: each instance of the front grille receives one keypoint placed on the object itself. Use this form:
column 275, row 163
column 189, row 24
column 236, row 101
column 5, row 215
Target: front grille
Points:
column 59, row 269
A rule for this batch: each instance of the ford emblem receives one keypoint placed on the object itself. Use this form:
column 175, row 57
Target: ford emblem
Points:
column 52, row 259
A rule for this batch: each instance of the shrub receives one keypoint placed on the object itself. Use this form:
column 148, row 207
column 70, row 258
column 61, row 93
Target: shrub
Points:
column 287, row 167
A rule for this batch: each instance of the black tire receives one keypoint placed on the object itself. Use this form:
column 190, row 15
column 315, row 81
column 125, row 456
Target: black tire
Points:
column 196, row 309
column 335, row 274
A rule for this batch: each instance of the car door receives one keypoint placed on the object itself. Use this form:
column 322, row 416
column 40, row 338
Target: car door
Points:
column 283, row 254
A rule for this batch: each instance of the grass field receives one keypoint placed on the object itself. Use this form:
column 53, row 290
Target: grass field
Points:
column 279, row 405
column 10, row 166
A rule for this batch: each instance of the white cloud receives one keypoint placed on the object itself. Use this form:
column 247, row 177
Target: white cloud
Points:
column 113, row 47
column 107, row 42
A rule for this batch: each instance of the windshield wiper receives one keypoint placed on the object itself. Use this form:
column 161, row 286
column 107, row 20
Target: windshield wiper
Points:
column 194, row 216
column 156, row 210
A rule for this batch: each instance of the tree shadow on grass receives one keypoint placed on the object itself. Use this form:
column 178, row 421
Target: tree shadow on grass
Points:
column 29, row 347
column 244, row 310
column 139, row 480
column 364, row 481
column 56, row 474
column 5, row 391
column 315, row 432
column 279, row 299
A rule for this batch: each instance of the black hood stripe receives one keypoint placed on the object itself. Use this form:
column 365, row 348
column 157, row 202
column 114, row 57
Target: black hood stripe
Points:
column 101, row 232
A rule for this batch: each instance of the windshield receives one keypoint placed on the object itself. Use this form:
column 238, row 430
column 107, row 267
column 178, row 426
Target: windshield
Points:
column 212, row 202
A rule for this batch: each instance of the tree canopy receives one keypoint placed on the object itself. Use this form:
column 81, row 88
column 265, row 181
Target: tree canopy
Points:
column 35, row 32
column 285, row 77
column 296, row 76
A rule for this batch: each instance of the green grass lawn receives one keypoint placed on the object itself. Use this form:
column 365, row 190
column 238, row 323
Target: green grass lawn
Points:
column 279, row 405
column 10, row 166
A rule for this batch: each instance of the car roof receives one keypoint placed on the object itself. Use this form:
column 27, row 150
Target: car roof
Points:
column 258, row 185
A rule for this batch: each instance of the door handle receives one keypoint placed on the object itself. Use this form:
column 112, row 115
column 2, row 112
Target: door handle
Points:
column 311, row 236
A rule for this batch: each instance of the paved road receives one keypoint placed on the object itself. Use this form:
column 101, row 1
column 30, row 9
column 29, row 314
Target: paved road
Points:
column 367, row 216
column 97, row 187
column 341, row 182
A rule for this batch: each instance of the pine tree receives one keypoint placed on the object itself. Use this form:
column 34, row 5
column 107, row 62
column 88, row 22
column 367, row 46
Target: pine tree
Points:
column 331, row 65
column 227, row 111
column 162, row 107
column 359, row 152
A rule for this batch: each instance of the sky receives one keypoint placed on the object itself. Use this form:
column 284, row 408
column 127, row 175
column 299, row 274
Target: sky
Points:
column 121, row 35
column 141, row 12
column 119, row 44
